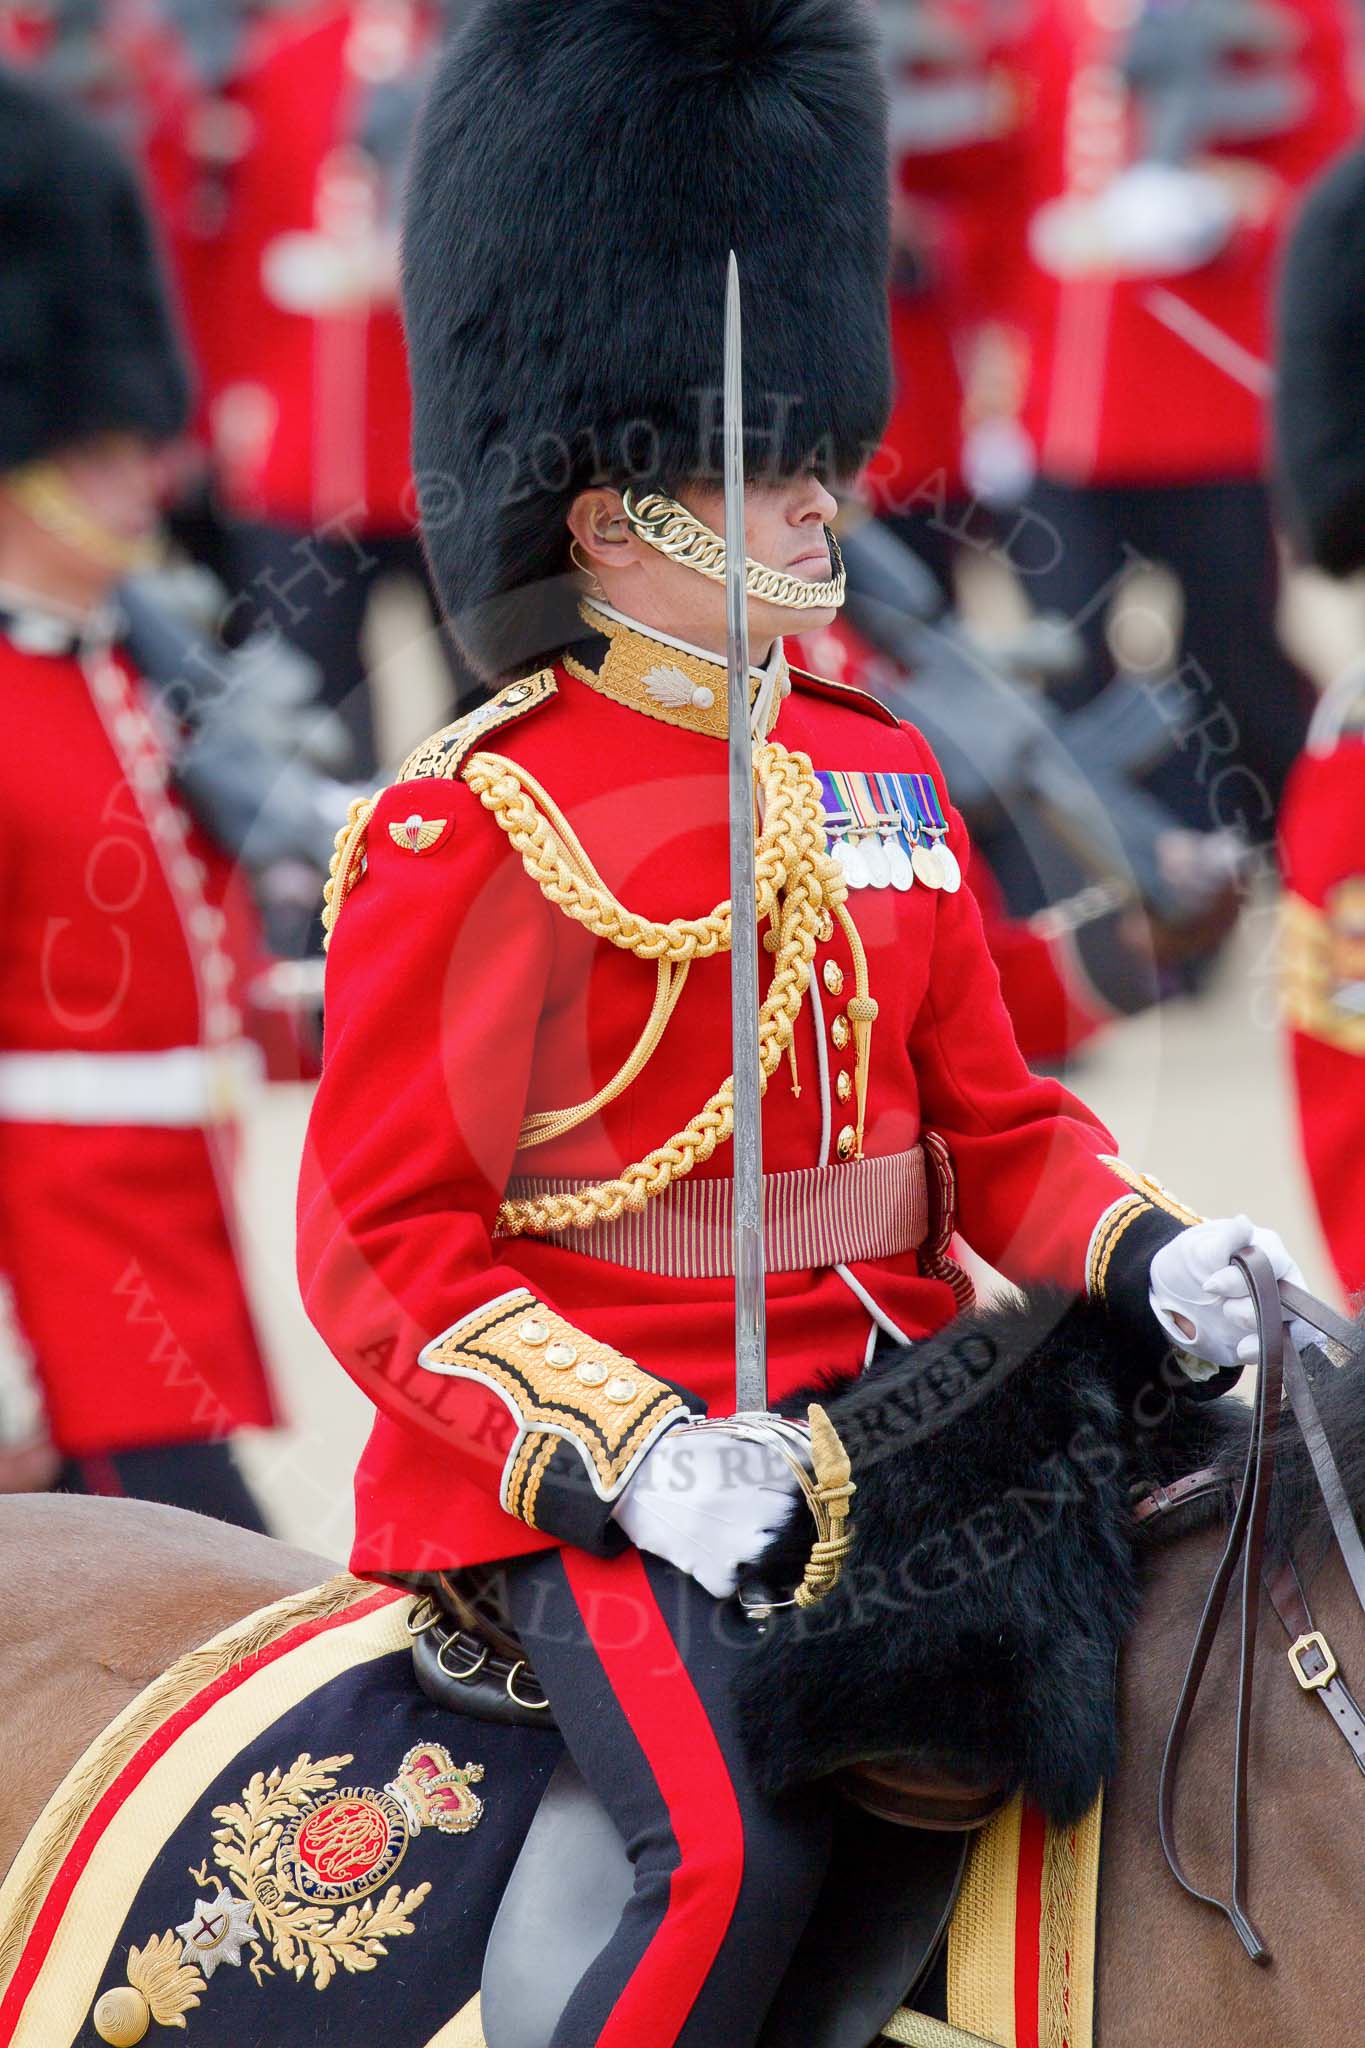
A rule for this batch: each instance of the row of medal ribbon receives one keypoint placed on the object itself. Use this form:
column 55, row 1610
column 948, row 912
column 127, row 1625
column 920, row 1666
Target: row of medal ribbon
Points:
column 888, row 831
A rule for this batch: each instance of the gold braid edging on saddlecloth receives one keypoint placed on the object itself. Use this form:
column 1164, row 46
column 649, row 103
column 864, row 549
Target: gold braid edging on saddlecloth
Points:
column 917, row 2031
column 50, row 1839
column 799, row 886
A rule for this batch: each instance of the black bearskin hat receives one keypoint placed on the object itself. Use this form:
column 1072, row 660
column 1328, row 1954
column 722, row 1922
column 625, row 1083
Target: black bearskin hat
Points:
column 582, row 170
column 1320, row 402
column 87, row 342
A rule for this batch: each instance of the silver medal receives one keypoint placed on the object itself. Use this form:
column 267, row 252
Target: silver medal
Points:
column 950, row 867
column 898, row 860
column 849, row 855
column 878, row 866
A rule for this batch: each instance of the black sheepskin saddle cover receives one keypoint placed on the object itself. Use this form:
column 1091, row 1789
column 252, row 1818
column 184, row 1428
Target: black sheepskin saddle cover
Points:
column 977, row 1625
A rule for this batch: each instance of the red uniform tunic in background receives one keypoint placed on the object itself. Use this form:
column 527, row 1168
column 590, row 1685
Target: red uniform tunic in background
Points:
column 119, row 927
column 959, row 104
column 283, row 227
column 1156, row 379
column 1322, row 833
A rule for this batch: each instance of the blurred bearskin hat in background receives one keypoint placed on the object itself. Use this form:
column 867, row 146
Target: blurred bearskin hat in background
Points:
column 1320, row 401
column 87, row 340
column 582, row 171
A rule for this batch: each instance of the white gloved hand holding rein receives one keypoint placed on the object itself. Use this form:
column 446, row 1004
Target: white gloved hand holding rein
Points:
column 1202, row 1301
column 708, row 1501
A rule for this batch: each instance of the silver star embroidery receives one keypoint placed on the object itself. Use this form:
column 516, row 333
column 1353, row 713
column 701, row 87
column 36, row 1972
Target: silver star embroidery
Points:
column 217, row 1931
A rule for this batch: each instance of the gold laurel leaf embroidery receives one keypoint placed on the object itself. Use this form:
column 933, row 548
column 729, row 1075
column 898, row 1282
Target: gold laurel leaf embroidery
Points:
column 303, row 1938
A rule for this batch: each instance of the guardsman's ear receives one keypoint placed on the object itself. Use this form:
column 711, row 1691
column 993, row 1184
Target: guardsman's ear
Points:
column 601, row 531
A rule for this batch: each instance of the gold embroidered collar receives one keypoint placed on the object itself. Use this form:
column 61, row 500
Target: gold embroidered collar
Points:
column 667, row 680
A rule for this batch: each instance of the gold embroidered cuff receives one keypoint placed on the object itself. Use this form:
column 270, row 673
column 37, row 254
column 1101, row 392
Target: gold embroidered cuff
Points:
column 1151, row 1190
column 562, row 1387
column 1112, row 1227
column 1148, row 1203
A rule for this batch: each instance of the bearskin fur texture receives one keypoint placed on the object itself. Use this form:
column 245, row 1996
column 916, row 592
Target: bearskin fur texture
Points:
column 977, row 1626
column 89, row 343
column 1320, row 393
column 582, row 170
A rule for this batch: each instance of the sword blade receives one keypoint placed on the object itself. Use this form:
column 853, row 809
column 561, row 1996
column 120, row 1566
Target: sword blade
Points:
column 751, row 1336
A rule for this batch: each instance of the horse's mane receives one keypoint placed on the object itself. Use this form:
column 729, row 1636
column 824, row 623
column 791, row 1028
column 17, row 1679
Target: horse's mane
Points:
column 1215, row 1434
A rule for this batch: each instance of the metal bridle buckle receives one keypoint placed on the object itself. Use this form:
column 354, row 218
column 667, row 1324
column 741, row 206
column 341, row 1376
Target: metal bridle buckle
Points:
column 1313, row 1681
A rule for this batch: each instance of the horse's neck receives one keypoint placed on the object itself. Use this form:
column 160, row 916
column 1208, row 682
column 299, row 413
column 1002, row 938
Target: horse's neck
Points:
column 1307, row 1860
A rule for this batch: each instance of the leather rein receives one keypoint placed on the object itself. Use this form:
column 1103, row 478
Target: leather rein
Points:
column 1310, row 1657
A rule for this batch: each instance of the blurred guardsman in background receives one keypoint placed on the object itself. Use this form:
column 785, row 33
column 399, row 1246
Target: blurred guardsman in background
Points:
column 279, row 171
column 1321, row 439
column 120, row 1033
column 1171, row 144
column 514, row 1224
column 955, row 116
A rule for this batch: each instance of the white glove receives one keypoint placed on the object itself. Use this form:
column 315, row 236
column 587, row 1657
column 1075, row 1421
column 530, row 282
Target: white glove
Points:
column 707, row 1501
column 1202, row 1301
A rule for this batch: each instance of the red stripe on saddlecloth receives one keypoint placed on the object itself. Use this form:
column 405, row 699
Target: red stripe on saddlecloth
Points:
column 1028, row 1924
column 134, row 1771
column 670, row 1724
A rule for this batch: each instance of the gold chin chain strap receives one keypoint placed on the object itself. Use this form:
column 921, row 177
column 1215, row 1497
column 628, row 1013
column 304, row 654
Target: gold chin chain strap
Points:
column 51, row 502
column 664, row 524
column 800, row 888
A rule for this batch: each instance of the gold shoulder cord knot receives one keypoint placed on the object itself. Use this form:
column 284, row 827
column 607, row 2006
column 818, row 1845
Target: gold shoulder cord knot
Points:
column 799, row 888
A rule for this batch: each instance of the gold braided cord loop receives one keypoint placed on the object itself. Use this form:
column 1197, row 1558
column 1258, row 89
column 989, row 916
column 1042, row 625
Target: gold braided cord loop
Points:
column 799, row 887
column 662, row 523
column 347, row 851
column 834, row 1489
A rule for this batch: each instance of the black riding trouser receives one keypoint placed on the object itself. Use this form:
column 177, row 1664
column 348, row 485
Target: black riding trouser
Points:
column 637, row 1663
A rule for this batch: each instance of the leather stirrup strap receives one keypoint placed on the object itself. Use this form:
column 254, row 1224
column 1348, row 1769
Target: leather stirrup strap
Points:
column 1245, row 1545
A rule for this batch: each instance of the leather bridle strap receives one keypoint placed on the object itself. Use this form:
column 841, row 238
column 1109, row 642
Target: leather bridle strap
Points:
column 1325, row 1466
column 1311, row 1658
column 1310, row 1310
column 1245, row 1546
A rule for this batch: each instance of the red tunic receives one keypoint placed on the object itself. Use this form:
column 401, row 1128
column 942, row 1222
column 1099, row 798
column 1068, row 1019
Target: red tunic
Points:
column 459, row 998
column 1154, row 379
column 1322, row 828
column 119, row 934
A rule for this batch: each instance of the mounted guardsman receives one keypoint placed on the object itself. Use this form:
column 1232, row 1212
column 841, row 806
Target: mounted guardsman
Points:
column 122, row 1052
column 520, row 1191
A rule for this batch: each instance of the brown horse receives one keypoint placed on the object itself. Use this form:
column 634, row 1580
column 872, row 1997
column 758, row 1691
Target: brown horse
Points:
column 105, row 1595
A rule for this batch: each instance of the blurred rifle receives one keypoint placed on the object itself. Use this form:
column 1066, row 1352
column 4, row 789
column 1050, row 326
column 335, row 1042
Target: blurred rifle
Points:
column 1214, row 71
column 257, row 755
column 1064, row 786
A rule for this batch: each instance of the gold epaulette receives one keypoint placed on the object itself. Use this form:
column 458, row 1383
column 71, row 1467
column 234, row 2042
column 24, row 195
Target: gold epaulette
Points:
column 445, row 753
column 442, row 755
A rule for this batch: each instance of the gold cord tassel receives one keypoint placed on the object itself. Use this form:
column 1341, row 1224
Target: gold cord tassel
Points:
column 834, row 1489
column 799, row 887
column 862, row 1015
